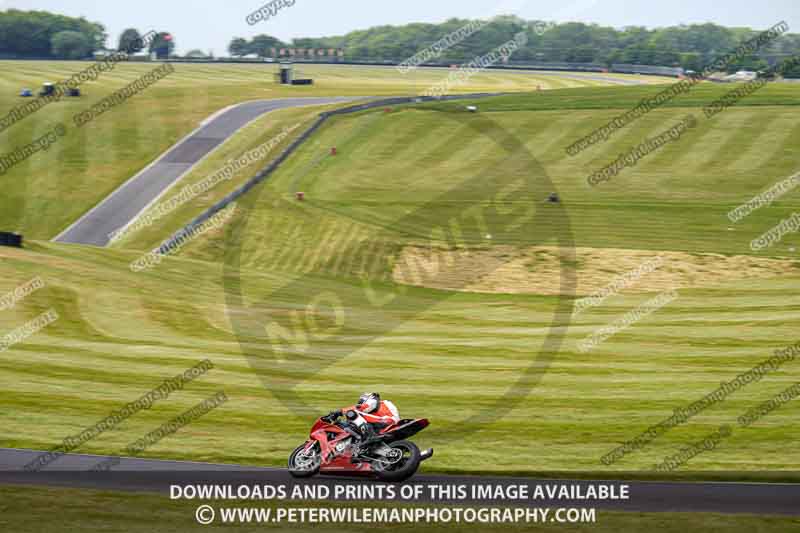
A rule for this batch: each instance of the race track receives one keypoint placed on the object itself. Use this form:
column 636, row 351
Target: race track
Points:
column 126, row 203
column 156, row 476
column 132, row 198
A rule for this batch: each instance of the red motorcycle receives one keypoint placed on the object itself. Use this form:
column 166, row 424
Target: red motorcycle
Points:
column 336, row 447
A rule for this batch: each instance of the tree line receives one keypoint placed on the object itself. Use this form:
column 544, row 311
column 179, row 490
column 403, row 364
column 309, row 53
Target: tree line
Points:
column 688, row 46
column 39, row 34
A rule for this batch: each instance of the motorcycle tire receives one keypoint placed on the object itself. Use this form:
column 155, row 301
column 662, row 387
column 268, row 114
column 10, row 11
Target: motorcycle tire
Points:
column 407, row 467
column 297, row 472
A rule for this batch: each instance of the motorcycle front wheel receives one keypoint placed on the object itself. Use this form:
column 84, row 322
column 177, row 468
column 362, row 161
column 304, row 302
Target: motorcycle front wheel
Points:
column 404, row 465
column 304, row 464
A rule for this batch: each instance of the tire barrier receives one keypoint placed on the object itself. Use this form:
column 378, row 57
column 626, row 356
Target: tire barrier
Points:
column 10, row 239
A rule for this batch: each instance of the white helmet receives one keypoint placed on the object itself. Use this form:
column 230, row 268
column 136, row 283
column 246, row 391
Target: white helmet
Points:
column 369, row 402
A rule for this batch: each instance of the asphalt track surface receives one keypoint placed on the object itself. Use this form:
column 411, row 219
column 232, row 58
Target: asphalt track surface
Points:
column 157, row 476
column 126, row 203
column 132, row 198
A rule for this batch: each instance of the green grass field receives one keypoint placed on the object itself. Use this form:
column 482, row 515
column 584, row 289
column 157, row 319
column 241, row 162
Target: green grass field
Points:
column 53, row 189
column 440, row 353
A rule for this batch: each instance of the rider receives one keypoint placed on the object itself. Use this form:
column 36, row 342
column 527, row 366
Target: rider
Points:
column 376, row 414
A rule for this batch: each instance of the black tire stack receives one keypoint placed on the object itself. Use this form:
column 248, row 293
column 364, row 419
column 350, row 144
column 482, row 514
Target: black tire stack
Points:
column 10, row 239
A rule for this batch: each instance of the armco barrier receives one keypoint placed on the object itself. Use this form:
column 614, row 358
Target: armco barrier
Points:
column 269, row 169
column 652, row 70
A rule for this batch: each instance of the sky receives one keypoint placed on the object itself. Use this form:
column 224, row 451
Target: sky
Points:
column 211, row 24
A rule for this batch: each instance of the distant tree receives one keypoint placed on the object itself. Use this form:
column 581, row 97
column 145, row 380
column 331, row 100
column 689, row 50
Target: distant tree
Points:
column 261, row 45
column 130, row 41
column 611, row 57
column 666, row 57
column 31, row 33
column 71, row 45
column 581, row 54
column 692, row 61
column 196, row 54
column 752, row 63
column 792, row 72
column 239, row 47
column 163, row 44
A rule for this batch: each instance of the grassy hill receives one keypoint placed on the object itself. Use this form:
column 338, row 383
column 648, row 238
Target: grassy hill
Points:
column 52, row 189
column 490, row 331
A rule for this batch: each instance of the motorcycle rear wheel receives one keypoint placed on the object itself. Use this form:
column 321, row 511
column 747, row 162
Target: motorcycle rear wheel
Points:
column 302, row 465
column 405, row 468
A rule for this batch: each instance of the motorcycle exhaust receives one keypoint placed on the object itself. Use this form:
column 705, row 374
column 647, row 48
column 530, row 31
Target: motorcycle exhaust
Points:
column 427, row 454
